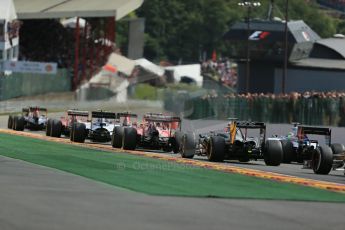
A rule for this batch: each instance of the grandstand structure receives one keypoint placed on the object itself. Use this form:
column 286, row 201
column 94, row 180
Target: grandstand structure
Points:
column 93, row 32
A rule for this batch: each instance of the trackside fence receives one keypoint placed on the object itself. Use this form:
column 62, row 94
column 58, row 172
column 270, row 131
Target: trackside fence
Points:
column 311, row 111
column 28, row 84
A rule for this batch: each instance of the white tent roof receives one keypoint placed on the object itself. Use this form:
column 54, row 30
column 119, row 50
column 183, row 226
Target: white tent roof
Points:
column 149, row 66
column 192, row 71
column 122, row 63
column 35, row 9
column 7, row 10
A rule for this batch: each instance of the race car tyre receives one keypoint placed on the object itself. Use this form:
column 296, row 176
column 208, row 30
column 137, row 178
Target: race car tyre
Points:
column 176, row 145
column 56, row 128
column 216, row 149
column 15, row 118
column 129, row 138
column 322, row 160
column 288, row 151
column 19, row 123
column 338, row 149
column 116, row 140
column 187, row 145
column 10, row 122
column 273, row 154
column 48, row 128
column 78, row 132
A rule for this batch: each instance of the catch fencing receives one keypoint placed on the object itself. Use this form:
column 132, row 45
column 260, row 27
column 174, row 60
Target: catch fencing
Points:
column 28, row 84
column 310, row 111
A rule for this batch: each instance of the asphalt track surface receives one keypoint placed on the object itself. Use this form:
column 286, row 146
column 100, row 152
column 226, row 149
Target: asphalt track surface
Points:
column 36, row 197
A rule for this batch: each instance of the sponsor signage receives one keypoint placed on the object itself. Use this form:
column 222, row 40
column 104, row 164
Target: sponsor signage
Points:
column 30, row 67
column 258, row 35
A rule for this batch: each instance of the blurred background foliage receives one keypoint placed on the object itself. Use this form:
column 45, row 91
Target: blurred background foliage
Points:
column 184, row 31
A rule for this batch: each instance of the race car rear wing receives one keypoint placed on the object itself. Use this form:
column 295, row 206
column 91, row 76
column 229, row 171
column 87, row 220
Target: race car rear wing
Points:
column 162, row 118
column 77, row 113
column 126, row 114
column 154, row 114
column 250, row 125
column 101, row 114
column 302, row 129
column 30, row 109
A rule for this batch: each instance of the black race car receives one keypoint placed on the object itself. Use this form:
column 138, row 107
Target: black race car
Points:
column 234, row 144
column 32, row 118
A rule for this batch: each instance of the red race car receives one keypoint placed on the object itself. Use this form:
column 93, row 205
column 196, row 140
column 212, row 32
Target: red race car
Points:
column 73, row 124
column 157, row 132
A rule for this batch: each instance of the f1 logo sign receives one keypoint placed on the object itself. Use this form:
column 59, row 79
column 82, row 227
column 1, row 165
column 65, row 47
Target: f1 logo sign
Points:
column 258, row 35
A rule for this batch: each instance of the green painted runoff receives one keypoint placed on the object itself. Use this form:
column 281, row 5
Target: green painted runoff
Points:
column 154, row 176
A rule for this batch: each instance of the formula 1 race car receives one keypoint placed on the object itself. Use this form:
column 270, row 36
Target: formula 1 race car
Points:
column 156, row 132
column 32, row 118
column 79, row 125
column 71, row 125
column 321, row 158
column 234, row 144
column 101, row 126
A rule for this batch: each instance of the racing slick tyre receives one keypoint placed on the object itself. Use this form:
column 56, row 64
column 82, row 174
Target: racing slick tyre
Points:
column 48, row 128
column 216, row 149
column 322, row 160
column 187, row 145
column 116, row 140
column 129, row 138
column 338, row 149
column 288, row 151
column 10, row 122
column 56, row 128
column 176, row 144
column 273, row 154
column 78, row 132
column 19, row 123
column 14, row 122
